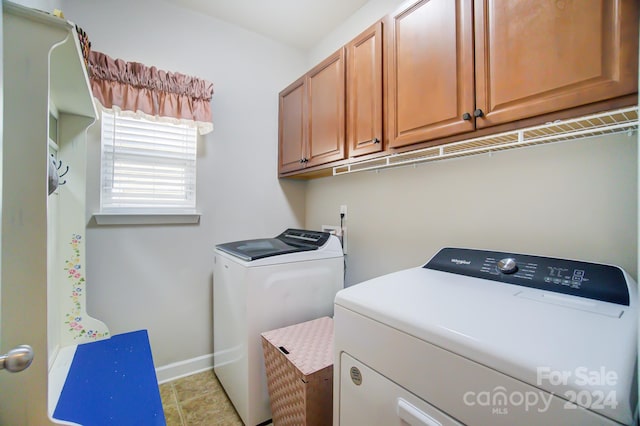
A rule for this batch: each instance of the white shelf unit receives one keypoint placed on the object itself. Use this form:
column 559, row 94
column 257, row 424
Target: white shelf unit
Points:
column 604, row 123
column 43, row 251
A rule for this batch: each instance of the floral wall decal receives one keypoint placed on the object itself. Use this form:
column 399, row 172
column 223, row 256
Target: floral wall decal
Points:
column 74, row 318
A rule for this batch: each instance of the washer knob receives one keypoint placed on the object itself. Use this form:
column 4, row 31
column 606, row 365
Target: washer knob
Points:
column 508, row 265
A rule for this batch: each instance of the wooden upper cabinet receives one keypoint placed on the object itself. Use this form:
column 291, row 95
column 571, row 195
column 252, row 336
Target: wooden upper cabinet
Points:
column 326, row 111
column 534, row 57
column 448, row 67
column 364, row 92
column 292, row 127
column 430, row 71
column 312, row 117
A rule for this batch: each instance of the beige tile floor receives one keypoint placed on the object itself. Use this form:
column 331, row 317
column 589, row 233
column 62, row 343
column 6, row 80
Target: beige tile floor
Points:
column 197, row 400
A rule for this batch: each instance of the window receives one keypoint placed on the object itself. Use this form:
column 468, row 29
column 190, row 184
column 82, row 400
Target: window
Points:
column 147, row 167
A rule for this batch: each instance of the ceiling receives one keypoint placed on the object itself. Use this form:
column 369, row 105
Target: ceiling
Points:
column 298, row 23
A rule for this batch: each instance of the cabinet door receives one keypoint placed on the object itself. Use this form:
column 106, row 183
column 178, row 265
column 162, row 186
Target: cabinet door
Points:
column 326, row 111
column 430, row 71
column 292, row 127
column 364, row 92
column 535, row 57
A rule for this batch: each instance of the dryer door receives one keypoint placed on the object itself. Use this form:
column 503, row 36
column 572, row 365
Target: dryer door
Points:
column 368, row 398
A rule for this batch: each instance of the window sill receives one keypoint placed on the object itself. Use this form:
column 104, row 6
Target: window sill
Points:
column 146, row 218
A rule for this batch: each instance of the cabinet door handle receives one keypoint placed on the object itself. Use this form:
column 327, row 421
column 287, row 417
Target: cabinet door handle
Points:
column 375, row 140
column 478, row 113
column 466, row 116
column 301, row 161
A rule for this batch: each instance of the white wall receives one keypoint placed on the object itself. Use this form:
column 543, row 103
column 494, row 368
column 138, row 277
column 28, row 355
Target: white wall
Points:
column 160, row 277
column 364, row 17
column 573, row 199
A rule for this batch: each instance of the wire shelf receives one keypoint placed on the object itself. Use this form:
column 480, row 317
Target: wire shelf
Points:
column 605, row 123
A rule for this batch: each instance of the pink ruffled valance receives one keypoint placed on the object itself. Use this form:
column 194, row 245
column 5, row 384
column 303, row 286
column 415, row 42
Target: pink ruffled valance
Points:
column 131, row 86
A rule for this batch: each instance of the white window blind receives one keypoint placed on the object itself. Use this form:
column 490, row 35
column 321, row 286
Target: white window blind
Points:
column 147, row 166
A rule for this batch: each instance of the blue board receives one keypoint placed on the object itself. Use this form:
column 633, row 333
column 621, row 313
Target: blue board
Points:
column 112, row 382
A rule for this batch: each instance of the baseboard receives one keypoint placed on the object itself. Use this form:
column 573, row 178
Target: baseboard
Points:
column 179, row 369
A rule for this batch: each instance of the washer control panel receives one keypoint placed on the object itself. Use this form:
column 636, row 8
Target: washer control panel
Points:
column 591, row 280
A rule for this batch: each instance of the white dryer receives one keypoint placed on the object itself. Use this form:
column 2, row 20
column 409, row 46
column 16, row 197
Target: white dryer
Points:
column 488, row 338
column 261, row 285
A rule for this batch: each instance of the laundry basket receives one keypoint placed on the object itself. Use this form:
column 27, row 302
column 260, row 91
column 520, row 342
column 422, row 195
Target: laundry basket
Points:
column 299, row 367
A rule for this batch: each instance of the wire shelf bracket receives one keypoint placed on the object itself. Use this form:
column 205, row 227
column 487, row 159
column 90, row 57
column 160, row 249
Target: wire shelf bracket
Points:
column 604, row 123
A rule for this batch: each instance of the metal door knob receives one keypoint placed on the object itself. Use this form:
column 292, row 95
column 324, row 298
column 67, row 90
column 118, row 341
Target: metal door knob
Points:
column 466, row 116
column 478, row 113
column 17, row 359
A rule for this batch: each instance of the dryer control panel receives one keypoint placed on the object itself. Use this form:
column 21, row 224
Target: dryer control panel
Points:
column 591, row 280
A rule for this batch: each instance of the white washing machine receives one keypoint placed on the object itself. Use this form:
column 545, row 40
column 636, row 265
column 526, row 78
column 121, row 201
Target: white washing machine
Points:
column 488, row 338
column 261, row 285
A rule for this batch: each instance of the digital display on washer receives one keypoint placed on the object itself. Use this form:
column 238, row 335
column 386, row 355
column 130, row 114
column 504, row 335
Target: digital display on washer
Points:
column 590, row 280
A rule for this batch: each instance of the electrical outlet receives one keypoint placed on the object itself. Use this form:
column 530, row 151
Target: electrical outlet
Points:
column 343, row 210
